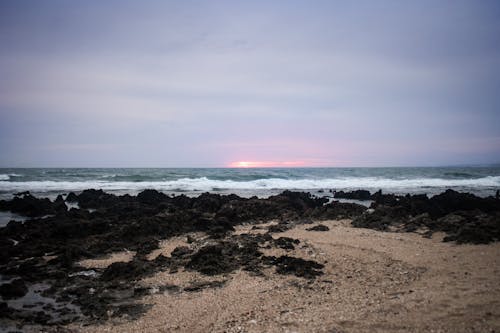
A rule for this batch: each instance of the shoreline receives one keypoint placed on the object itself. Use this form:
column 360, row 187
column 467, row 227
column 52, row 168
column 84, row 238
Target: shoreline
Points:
column 373, row 282
column 126, row 262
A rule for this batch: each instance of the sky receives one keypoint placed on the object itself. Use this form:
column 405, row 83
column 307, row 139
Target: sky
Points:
column 249, row 83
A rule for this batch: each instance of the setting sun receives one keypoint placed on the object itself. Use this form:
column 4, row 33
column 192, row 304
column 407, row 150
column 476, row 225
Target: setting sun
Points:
column 265, row 164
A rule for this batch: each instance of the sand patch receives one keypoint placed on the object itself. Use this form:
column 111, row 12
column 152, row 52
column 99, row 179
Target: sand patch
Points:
column 122, row 256
column 372, row 282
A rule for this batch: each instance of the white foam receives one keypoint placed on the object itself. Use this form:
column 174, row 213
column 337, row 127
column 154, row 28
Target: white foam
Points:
column 4, row 177
column 205, row 184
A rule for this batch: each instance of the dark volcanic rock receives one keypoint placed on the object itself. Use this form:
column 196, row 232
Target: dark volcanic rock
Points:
column 212, row 260
column 296, row 266
column 151, row 197
column 463, row 216
column 225, row 257
column 354, row 195
column 30, row 206
column 14, row 289
column 127, row 270
column 47, row 249
column 286, row 243
column 471, row 227
column 319, row 227
column 95, row 198
column 181, row 251
column 338, row 210
column 450, row 201
column 72, row 197
column 280, row 227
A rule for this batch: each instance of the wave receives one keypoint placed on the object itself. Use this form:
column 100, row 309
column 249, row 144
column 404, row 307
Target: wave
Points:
column 4, row 176
column 206, row 184
column 459, row 174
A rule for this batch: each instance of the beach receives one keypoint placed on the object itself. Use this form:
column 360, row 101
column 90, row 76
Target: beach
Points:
column 373, row 282
column 249, row 166
column 292, row 262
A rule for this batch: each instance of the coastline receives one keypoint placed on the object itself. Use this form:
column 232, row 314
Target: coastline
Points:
column 373, row 282
column 153, row 263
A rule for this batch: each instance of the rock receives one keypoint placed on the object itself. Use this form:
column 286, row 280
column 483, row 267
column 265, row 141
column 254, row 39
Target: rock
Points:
column 465, row 218
column 181, row 251
column 28, row 205
column 95, row 198
column 47, row 250
column 126, row 270
column 338, row 210
column 151, row 197
column 319, row 227
column 213, row 260
column 281, row 227
column 72, row 197
column 296, row 266
column 14, row 289
column 286, row 243
column 354, row 195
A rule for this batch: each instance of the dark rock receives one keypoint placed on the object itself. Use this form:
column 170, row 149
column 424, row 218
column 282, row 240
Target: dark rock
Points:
column 72, row 197
column 215, row 259
column 281, row 227
column 95, row 198
column 464, row 217
column 28, row 205
column 137, row 223
column 354, row 195
column 286, row 243
column 338, row 210
column 181, row 251
column 14, row 289
column 296, row 266
column 319, row 227
column 151, row 197
column 126, row 270
column 451, row 201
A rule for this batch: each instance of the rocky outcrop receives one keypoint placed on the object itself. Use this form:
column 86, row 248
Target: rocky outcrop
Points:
column 466, row 218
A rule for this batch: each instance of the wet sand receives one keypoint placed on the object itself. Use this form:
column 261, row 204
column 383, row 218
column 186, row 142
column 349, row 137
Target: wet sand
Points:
column 373, row 282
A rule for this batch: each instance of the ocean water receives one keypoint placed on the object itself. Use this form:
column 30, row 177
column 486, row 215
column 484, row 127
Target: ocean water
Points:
column 262, row 182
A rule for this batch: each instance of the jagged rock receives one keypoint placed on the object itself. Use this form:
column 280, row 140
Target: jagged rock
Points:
column 48, row 249
column 466, row 218
column 28, row 205
column 354, row 195
column 151, row 197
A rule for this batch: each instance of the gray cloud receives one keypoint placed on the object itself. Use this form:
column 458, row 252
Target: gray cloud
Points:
column 207, row 83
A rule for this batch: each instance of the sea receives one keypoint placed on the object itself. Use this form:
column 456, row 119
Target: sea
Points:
column 248, row 182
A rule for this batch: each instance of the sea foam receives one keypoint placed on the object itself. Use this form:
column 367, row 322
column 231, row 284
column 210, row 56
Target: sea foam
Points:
column 206, row 184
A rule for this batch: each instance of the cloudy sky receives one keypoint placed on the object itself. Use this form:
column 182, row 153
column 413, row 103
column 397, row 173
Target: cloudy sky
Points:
column 211, row 83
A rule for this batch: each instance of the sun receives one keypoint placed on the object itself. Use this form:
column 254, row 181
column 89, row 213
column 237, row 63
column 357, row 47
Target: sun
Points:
column 245, row 164
column 264, row 164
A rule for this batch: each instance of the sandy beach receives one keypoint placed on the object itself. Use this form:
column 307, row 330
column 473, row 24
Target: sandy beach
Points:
column 288, row 263
column 373, row 282
column 249, row 166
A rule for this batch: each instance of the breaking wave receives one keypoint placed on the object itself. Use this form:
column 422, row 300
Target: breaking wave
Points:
column 206, row 184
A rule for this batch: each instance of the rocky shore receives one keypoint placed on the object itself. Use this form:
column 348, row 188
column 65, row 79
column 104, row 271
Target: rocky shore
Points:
column 102, row 260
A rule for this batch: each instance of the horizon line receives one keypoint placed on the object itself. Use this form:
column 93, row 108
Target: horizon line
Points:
column 497, row 164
